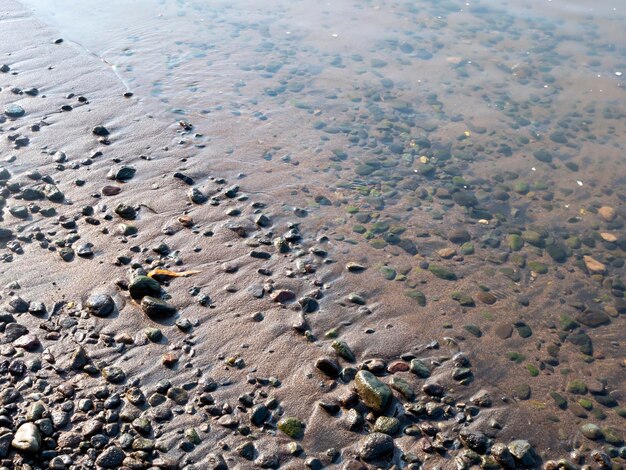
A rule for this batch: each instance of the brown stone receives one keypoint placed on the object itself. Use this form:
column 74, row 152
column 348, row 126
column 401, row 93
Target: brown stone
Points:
column 607, row 213
column 397, row 366
column 594, row 266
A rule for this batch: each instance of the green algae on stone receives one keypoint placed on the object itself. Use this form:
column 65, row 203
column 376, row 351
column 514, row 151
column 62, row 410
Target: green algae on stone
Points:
column 538, row 267
column 515, row 242
column 467, row 249
column 403, row 387
column 591, row 431
column 515, row 357
column 343, row 350
column 374, row 393
column 473, row 330
column 387, row 425
column 291, row 426
column 418, row 296
column 532, row 369
column 419, row 368
column 388, row 273
column 559, row 399
column 441, row 272
column 522, row 391
column 577, row 387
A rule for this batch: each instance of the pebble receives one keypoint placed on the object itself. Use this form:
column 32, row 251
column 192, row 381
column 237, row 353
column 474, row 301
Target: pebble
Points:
column 156, row 308
column 100, row 131
column 607, row 213
column 111, row 457
column 594, row 266
column 374, row 393
column 100, row 305
column 27, row 438
column 14, row 111
column 375, row 445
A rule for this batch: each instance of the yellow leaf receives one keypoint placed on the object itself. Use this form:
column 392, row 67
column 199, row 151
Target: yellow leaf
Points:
column 167, row 272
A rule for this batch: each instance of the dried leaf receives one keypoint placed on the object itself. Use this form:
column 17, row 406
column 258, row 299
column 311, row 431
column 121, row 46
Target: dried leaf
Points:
column 168, row 273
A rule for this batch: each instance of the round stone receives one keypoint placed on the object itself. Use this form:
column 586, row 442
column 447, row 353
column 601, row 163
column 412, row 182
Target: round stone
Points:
column 100, row 305
column 14, row 111
column 375, row 445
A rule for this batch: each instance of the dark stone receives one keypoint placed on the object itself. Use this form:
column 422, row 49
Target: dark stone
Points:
column 100, row 305
column 111, row 457
column 375, row 445
column 328, row 367
column 100, row 131
column 474, row 440
column 142, row 286
column 156, row 308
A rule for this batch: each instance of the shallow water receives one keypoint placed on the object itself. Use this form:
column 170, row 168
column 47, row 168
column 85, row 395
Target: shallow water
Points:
column 389, row 125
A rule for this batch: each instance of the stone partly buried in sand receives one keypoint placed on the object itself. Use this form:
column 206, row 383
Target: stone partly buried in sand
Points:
column 27, row 438
column 374, row 393
column 156, row 308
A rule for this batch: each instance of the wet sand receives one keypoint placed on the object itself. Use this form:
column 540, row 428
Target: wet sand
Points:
column 234, row 373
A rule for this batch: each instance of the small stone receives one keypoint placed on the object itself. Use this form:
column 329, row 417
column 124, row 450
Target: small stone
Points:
column 259, row 414
column 459, row 236
column 196, row 196
column 293, row 427
column 100, row 131
column 474, row 440
column 441, row 272
column 100, row 305
column 403, row 387
column 123, row 173
column 591, row 431
column 144, row 286
column 375, row 445
column 419, row 368
column 607, row 213
column 387, row 425
column 522, row 450
column 283, row 295
column 343, row 350
column 594, row 266
column 355, row 267
column 328, row 367
column 169, row 359
column 14, row 111
column 446, row 253
column 27, row 438
column 111, row 457
column 85, row 250
column 502, row 455
column 114, row 375
column 486, row 297
column 156, row 308
column 374, row 393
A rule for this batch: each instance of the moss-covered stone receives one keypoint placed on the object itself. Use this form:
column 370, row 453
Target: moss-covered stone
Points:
column 374, row 393
column 293, row 427
column 441, row 272
column 577, row 386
